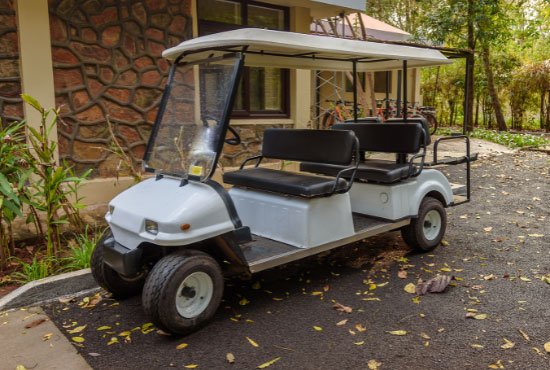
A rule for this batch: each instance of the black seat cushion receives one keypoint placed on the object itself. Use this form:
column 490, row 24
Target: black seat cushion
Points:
column 284, row 182
column 372, row 170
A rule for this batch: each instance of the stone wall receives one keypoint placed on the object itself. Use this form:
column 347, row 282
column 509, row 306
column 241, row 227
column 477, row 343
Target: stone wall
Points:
column 107, row 62
column 251, row 137
column 11, row 107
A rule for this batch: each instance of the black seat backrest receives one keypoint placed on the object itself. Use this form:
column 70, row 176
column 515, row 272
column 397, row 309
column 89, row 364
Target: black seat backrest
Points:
column 387, row 138
column 365, row 120
column 423, row 121
column 322, row 146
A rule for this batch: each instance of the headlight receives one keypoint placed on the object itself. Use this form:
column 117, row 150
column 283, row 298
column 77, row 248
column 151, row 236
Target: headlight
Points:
column 111, row 209
column 151, row 227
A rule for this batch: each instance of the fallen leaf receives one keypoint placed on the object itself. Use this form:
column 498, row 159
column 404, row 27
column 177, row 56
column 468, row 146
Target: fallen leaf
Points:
column 524, row 335
column 78, row 339
column 340, row 307
column 370, row 299
column 230, row 358
column 536, row 235
column 489, row 277
column 125, row 333
column 35, row 323
column 425, row 336
column 507, row 344
column 256, row 285
column 20, row 367
column 402, row 274
column 268, row 363
column 497, row 365
column 47, row 336
column 373, row 364
column 191, row 366
column 488, row 229
column 318, row 328
column 397, row 332
column 94, row 354
column 101, row 328
column 410, row 288
column 477, row 346
column 112, row 341
column 547, row 347
column 480, row 316
column 444, row 243
column 359, row 343
column 244, row 302
column 252, row 342
column 341, row 323
column 182, row 346
column 436, row 284
column 78, row 329
column 360, row 328
column 524, row 278
column 66, row 300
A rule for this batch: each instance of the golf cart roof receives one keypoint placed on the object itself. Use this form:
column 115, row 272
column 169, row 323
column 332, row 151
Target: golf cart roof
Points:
column 281, row 49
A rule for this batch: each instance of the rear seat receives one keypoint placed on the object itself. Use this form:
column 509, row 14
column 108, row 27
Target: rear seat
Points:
column 400, row 137
column 331, row 147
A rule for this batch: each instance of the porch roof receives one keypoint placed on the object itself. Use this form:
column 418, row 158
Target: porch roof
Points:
column 300, row 51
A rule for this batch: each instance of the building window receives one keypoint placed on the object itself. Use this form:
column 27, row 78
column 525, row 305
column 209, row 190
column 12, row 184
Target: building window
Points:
column 381, row 80
column 263, row 92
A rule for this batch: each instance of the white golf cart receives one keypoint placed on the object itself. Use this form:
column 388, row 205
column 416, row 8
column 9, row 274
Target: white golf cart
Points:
column 177, row 234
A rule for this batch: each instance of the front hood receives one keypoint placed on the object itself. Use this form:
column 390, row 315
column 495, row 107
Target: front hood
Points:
column 170, row 205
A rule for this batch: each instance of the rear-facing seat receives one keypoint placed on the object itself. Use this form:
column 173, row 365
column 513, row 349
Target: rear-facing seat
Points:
column 400, row 137
column 332, row 147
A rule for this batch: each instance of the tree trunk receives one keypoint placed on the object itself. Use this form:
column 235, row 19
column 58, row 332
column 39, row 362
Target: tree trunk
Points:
column 541, row 115
column 501, row 123
column 476, row 123
column 470, row 64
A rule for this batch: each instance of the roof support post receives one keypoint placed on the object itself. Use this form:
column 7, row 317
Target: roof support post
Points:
column 388, row 76
column 405, row 90
column 468, row 95
column 354, row 82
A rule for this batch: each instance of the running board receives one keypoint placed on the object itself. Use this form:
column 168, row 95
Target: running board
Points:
column 262, row 253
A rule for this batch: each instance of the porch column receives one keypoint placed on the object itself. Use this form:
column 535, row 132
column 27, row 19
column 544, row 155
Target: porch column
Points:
column 300, row 80
column 35, row 55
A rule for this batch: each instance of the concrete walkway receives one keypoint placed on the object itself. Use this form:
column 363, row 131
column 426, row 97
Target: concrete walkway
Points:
column 28, row 338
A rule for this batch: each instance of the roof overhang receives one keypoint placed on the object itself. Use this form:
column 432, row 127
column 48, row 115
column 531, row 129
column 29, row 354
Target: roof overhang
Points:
column 324, row 8
column 267, row 48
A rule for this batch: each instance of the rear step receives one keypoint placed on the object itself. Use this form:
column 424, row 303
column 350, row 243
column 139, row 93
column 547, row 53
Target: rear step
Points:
column 458, row 189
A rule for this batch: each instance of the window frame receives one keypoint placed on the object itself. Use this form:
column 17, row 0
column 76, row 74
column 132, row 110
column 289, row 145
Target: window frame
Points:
column 284, row 112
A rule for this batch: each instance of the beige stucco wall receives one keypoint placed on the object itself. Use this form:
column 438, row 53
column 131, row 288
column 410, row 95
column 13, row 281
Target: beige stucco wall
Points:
column 35, row 57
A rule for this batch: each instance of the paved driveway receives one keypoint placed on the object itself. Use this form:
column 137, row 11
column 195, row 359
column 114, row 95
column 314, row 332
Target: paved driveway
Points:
column 497, row 247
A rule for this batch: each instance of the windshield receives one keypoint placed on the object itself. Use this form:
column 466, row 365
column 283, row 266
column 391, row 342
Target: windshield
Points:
column 192, row 121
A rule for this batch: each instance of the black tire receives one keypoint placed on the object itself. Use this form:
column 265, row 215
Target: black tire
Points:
column 161, row 291
column 110, row 280
column 432, row 122
column 414, row 234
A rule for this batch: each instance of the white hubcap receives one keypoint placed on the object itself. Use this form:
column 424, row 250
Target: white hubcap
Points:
column 432, row 224
column 194, row 294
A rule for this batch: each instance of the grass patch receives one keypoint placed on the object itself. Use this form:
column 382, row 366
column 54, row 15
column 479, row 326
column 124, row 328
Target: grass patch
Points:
column 511, row 140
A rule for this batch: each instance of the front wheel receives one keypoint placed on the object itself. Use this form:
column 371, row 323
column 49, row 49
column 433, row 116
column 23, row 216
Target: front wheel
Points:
column 183, row 291
column 107, row 278
column 425, row 232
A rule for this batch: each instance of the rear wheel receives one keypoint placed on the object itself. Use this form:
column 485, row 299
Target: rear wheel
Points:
column 107, row 278
column 425, row 232
column 183, row 291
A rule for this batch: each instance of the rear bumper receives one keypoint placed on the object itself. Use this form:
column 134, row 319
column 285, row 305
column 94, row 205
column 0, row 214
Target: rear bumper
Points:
column 123, row 260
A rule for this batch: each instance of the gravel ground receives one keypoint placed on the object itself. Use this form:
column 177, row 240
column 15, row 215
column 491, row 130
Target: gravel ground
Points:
column 497, row 247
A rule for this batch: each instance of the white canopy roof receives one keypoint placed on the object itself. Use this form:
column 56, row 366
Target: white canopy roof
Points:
column 282, row 49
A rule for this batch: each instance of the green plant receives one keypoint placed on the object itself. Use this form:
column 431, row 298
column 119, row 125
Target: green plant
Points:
column 55, row 185
column 37, row 269
column 14, row 173
column 81, row 251
column 509, row 139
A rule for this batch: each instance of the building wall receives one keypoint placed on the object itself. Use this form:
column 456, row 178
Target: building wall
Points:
column 107, row 63
column 11, row 107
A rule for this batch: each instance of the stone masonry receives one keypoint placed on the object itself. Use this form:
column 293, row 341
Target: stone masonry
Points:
column 107, row 62
column 11, row 108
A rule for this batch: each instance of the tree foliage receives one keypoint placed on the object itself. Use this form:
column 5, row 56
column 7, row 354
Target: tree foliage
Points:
column 510, row 39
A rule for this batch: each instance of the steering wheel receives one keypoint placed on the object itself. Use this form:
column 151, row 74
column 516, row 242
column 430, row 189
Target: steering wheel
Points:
column 235, row 140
